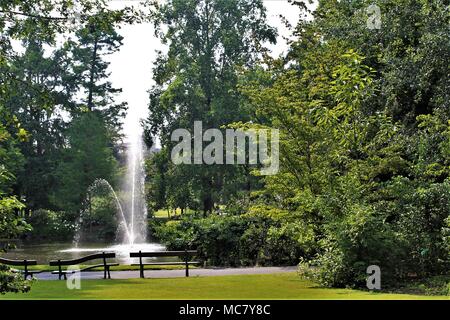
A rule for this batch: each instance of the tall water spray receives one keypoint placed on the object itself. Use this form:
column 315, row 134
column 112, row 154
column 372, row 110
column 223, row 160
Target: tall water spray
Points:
column 130, row 203
column 134, row 202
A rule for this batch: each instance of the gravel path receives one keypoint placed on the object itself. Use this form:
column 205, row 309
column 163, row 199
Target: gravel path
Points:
column 176, row 273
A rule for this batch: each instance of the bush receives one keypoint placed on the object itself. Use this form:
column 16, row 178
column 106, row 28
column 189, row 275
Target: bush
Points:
column 216, row 238
column 99, row 221
column 252, row 242
column 290, row 241
column 12, row 281
column 252, row 239
column 423, row 212
column 403, row 235
column 174, row 234
column 353, row 243
column 50, row 225
column 12, row 224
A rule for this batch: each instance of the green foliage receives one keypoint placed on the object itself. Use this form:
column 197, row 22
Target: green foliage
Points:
column 289, row 241
column 88, row 157
column 351, row 243
column 238, row 240
column 12, row 222
column 98, row 220
column 50, row 225
column 12, row 282
column 364, row 143
column 209, row 42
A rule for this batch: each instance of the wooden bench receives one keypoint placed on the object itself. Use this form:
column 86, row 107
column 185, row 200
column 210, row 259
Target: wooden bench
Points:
column 106, row 266
column 184, row 255
column 21, row 263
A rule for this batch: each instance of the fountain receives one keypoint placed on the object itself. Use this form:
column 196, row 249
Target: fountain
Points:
column 134, row 184
column 123, row 221
column 130, row 205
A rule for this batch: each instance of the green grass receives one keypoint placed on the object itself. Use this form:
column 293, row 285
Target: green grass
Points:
column 269, row 286
column 162, row 213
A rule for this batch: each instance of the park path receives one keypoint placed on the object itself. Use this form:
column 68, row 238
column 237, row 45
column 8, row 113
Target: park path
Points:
column 176, row 273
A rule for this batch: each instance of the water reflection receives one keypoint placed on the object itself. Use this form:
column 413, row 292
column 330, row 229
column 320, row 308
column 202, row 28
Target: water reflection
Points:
column 45, row 252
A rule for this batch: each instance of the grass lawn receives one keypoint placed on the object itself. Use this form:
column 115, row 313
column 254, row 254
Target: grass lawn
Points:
column 267, row 286
column 162, row 213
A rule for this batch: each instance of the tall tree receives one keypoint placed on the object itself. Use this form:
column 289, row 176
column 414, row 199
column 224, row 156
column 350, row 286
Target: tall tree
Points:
column 39, row 99
column 88, row 157
column 12, row 223
column 209, row 40
column 32, row 92
column 93, row 42
column 364, row 148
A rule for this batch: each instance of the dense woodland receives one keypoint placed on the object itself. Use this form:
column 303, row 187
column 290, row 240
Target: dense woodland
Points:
column 363, row 114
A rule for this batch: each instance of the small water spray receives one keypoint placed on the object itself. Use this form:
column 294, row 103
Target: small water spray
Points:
column 123, row 221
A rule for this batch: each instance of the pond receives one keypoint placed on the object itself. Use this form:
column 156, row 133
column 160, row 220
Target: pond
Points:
column 44, row 252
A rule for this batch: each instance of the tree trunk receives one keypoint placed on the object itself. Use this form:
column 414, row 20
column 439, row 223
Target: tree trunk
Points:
column 207, row 204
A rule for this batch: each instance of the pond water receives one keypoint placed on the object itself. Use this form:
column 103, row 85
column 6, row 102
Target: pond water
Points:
column 44, row 252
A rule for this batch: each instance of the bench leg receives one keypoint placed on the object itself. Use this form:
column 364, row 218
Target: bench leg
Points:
column 142, row 271
column 109, row 272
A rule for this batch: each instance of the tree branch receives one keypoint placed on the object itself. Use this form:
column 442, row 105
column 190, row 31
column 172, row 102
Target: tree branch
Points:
column 33, row 15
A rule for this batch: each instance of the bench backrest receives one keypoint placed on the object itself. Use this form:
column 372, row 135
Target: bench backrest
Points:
column 140, row 254
column 83, row 259
column 18, row 262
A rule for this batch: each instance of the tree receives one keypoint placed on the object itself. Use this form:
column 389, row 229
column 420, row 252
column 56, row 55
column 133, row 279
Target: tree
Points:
column 32, row 90
column 95, row 40
column 88, row 157
column 197, row 80
column 12, row 223
column 39, row 98
column 409, row 51
column 357, row 139
column 156, row 184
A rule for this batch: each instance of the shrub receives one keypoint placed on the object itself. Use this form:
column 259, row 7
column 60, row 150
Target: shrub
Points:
column 12, row 281
column 218, row 239
column 290, row 241
column 99, row 221
column 50, row 225
column 237, row 240
column 401, row 230
column 352, row 243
